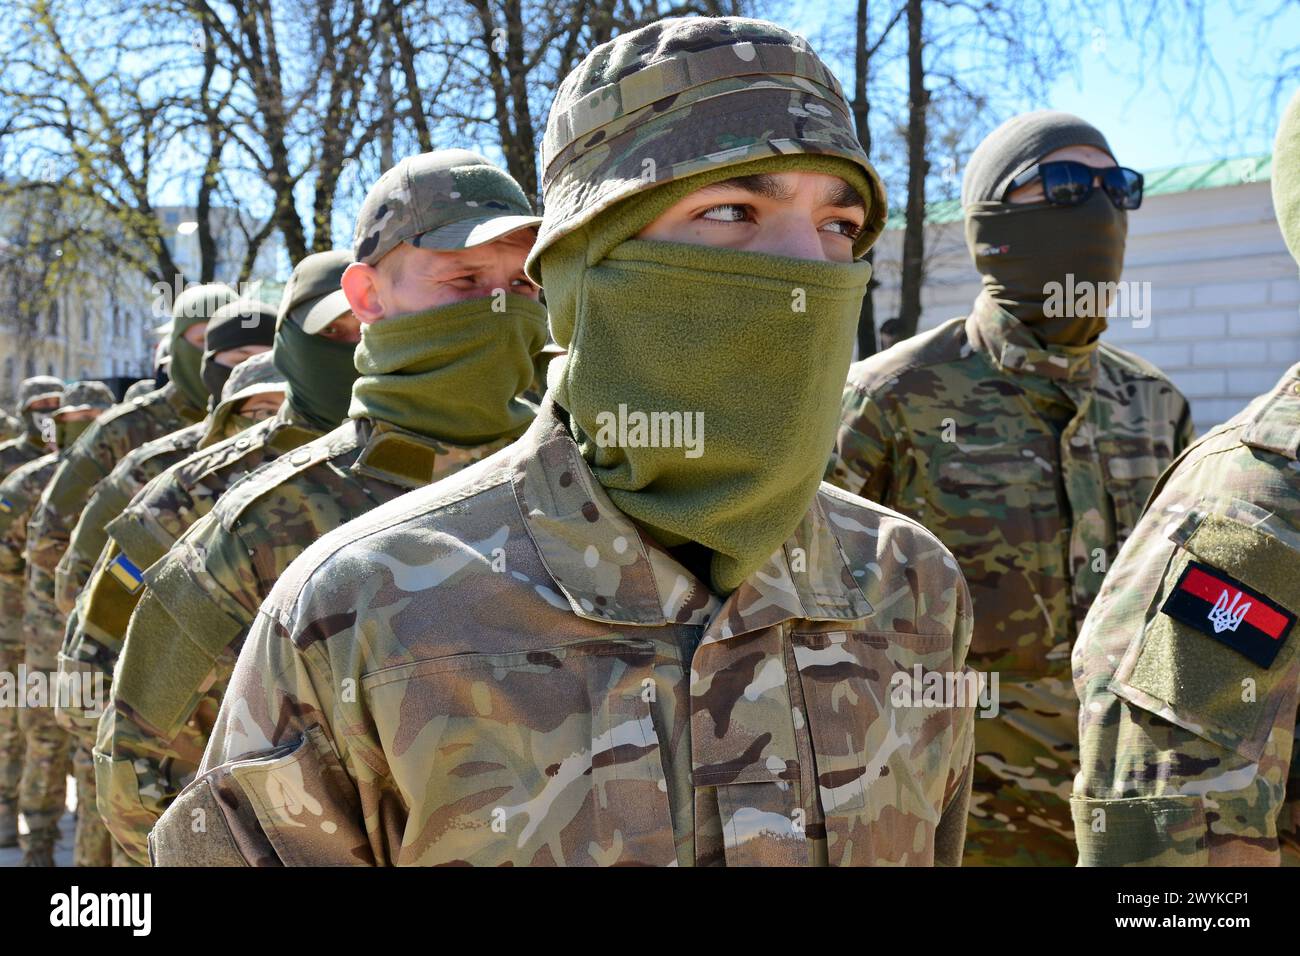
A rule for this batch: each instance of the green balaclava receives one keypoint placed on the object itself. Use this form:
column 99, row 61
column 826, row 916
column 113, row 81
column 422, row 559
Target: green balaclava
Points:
column 31, row 391
column 454, row 373
column 198, row 303
column 1286, row 175
column 254, row 376
column 1022, row 249
column 87, row 395
column 235, row 325
column 750, row 350
column 318, row 371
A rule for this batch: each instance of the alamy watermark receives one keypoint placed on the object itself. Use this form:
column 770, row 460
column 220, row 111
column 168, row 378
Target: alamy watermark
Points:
column 946, row 689
column 1118, row 300
column 638, row 429
column 35, row 688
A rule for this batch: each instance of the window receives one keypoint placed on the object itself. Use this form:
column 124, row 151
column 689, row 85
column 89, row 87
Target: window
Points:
column 85, row 322
column 54, row 318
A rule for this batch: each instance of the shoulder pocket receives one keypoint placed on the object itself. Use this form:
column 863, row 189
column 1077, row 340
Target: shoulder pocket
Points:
column 1218, row 653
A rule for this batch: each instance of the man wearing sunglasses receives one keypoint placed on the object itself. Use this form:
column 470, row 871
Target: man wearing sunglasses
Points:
column 1028, row 447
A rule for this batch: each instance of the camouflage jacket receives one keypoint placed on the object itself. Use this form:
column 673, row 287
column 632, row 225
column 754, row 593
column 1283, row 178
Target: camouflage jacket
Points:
column 201, row 599
column 500, row 669
column 10, row 427
column 18, row 496
column 113, row 493
column 1187, row 668
column 19, row 451
column 93, row 456
column 143, row 532
column 1031, row 464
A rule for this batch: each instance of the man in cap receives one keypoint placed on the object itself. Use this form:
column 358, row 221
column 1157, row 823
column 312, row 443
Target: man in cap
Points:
column 1187, row 666
column 318, row 383
column 183, row 401
column 236, row 331
column 37, row 397
column 38, row 750
column 593, row 648
column 450, row 328
column 1028, row 446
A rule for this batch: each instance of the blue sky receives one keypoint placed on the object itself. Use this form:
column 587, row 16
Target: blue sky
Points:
column 1156, row 110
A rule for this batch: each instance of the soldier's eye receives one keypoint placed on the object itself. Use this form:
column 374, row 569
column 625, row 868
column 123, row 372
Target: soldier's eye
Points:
column 845, row 227
column 729, row 212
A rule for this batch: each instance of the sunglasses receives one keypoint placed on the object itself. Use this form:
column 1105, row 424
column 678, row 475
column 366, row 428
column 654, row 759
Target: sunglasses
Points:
column 1067, row 183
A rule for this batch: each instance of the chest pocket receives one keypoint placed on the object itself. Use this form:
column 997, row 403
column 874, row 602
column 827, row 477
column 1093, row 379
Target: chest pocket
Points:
column 882, row 729
column 544, row 757
column 1201, row 682
column 1131, row 470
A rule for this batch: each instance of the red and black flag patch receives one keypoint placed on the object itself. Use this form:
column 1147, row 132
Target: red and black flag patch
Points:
column 1225, row 609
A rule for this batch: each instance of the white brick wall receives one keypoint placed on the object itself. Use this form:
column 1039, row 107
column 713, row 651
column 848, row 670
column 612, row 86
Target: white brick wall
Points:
column 1225, row 293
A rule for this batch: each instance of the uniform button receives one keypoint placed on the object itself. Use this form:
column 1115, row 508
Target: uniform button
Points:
column 299, row 457
column 241, row 443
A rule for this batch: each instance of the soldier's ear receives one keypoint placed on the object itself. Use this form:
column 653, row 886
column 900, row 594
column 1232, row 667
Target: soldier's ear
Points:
column 360, row 284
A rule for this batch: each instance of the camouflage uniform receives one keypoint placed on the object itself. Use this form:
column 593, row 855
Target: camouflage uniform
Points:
column 28, row 447
column 42, row 791
column 503, row 669
column 1187, row 743
column 142, row 387
column 200, row 599
column 1187, row 667
column 108, row 500
column 1032, row 464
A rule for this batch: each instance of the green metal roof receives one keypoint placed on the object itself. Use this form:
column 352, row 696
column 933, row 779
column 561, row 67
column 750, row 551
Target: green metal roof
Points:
column 1159, row 182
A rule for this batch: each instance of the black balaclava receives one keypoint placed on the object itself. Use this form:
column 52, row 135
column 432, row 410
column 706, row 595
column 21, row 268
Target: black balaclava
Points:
column 245, row 322
column 1022, row 249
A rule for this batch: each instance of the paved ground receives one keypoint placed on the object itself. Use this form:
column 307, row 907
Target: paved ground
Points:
column 63, row 850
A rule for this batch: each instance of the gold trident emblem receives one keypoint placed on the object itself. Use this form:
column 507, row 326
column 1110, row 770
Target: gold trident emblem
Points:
column 1225, row 616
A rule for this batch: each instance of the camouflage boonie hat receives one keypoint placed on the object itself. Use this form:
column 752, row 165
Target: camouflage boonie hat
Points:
column 447, row 199
column 312, row 298
column 84, row 395
column 38, row 387
column 681, row 97
column 255, row 375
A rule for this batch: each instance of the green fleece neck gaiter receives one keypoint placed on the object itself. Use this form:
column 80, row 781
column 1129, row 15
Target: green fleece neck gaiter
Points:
column 452, row 373
column 703, row 387
column 318, row 375
column 65, row 433
column 1050, row 266
column 186, row 372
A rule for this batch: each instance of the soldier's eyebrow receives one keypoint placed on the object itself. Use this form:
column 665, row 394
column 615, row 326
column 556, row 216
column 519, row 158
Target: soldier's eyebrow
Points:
column 762, row 184
column 844, row 196
column 768, row 186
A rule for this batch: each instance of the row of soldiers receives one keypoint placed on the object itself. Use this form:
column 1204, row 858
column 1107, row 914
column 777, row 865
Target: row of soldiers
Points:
column 412, row 593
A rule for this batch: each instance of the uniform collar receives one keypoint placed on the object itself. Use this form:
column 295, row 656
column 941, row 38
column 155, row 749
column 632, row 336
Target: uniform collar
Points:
column 1012, row 347
column 608, row 571
column 408, row 459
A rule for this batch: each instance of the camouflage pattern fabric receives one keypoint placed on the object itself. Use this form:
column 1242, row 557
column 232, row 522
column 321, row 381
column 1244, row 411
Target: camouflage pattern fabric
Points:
column 1032, row 465
column 93, row 456
column 19, row 451
column 500, row 669
column 19, row 492
column 1187, row 743
column 201, row 598
column 109, row 497
column 136, row 389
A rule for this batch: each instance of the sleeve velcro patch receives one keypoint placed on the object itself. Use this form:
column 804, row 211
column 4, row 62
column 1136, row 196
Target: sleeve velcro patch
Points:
column 1223, row 608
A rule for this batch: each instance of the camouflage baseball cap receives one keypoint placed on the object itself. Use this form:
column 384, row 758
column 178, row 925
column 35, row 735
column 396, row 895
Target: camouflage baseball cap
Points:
column 83, row 395
column 37, row 387
column 447, row 199
column 683, row 96
column 312, row 298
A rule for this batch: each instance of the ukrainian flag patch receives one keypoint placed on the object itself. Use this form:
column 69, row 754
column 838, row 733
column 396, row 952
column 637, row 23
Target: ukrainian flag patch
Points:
column 6, row 506
column 127, row 574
